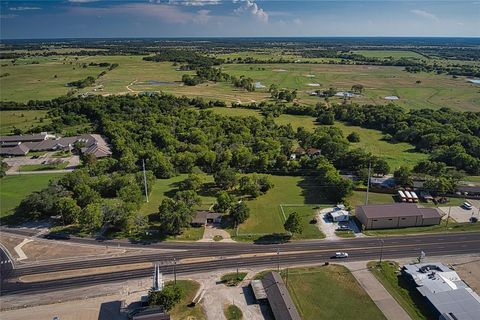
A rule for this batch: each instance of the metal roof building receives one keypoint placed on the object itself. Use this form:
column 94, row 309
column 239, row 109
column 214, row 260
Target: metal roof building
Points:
column 278, row 297
column 449, row 297
column 397, row 215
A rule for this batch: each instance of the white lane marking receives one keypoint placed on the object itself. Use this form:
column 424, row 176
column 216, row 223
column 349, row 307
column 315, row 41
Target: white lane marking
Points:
column 19, row 251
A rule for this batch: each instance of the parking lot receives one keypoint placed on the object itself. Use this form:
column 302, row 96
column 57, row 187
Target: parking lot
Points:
column 328, row 226
column 461, row 214
column 15, row 163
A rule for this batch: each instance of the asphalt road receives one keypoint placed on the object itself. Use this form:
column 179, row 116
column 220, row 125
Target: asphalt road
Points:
column 243, row 255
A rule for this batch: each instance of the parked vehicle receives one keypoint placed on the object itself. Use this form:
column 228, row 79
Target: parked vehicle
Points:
column 341, row 255
column 467, row 206
column 343, row 228
column 57, row 236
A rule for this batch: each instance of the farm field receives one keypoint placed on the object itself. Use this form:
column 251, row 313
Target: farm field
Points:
column 345, row 299
column 14, row 188
column 23, row 120
column 135, row 75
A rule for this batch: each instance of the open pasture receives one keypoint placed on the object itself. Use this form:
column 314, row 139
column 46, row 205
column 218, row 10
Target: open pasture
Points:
column 37, row 81
column 22, row 120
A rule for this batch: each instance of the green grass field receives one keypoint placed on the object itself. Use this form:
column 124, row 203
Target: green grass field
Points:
column 37, row 81
column 22, row 120
column 232, row 312
column 265, row 213
column 410, row 300
column 330, row 292
column 182, row 310
column 396, row 154
column 14, row 188
column 43, row 167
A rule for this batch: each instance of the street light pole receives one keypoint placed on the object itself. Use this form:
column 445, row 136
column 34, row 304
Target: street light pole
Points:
column 448, row 217
column 278, row 259
column 381, row 250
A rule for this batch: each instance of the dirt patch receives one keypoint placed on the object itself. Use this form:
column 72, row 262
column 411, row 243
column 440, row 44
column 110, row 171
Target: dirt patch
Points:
column 470, row 273
column 40, row 250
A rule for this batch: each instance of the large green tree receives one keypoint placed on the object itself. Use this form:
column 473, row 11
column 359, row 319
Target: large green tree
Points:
column 293, row 224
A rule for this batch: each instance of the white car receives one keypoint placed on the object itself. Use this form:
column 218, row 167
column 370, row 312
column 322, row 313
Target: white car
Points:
column 467, row 206
column 340, row 255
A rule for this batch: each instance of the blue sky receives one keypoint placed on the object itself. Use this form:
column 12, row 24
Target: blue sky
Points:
column 197, row 18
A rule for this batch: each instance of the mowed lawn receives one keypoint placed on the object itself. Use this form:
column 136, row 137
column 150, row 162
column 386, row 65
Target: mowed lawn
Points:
column 396, row 154
column 330, row 292
column 14, row 188
column 265, row 214
column 20, row 119
column 307, row 213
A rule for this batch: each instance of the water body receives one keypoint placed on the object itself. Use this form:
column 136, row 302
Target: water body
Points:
column 259, row 85
column 476, row 81
column 345, row 94
column 159, row 83
column 391, row 98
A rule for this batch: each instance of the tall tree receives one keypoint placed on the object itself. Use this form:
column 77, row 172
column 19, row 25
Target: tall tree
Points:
column 293, row 224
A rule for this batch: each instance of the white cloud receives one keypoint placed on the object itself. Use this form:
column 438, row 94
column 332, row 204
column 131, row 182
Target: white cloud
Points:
column 24, row 8
column 424, row 14
column 249, row 6
column 202, row 17
column 297, row 21
column 194, row 3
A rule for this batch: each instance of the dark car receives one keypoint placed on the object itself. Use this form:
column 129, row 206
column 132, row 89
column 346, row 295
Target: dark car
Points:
column 57, row 236
column 343, row 228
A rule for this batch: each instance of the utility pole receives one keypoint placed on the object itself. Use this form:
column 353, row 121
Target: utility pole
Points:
column 368, row 182
column 278, row 259
column 174, row 271
column 145, row 179
column 448, row 217
column 381, row 250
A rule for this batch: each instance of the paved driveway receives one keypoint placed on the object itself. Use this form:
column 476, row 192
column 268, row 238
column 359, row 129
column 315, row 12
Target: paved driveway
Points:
column 459, row 214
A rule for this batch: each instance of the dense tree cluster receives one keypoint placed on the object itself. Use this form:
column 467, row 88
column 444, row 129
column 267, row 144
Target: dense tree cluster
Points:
column 83, row 83
column 448, row 136
column 191, row 59
column 82, row 197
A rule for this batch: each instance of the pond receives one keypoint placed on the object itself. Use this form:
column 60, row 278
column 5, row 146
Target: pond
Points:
column 476, row 81
column 259, row 85
column 159, row 83
column 391, row 98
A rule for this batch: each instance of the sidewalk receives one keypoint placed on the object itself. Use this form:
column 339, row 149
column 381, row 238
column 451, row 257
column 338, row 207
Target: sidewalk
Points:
column 384, row 301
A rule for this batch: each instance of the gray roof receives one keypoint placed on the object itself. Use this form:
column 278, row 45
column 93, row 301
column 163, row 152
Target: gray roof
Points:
column 23, row 138
column 469, row 189
column 279, row 299
column 202, row 216
column 397, row 210
column 18, row 150
column 445, row 290
column 258, row 289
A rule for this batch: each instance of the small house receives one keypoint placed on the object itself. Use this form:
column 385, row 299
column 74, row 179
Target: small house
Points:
column 203, row 218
